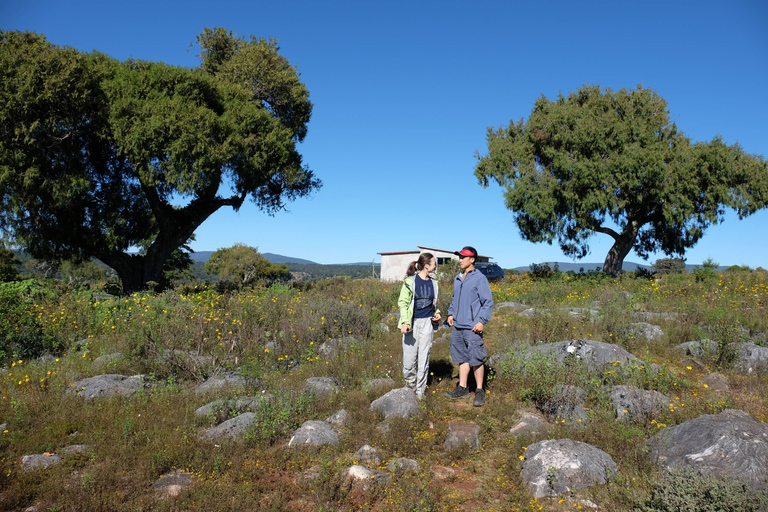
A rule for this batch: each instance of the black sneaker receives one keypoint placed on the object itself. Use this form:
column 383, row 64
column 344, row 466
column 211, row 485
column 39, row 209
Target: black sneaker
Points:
column 479, row 397
column 458, row 392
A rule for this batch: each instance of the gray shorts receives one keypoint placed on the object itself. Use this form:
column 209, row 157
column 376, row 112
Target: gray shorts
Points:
column 467, row 347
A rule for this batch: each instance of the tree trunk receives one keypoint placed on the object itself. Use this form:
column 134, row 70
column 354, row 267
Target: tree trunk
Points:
column 622, row 244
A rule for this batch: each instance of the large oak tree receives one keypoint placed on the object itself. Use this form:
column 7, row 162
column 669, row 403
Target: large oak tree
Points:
column 599, row 161
column 99, row 156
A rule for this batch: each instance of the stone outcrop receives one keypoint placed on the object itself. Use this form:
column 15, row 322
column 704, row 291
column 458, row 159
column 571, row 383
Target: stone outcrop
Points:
column 103, row 386
column 401, row 402
column 553, row 467
column 729, row 445
column 314, row 433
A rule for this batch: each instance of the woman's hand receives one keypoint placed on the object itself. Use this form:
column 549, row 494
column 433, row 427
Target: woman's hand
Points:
column 404, row 329
column 437, row 317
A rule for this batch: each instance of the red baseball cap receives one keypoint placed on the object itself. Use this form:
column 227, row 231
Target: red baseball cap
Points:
column 467, row 251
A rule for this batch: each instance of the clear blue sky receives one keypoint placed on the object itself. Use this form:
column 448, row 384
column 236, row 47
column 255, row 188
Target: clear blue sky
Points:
column 404, row 92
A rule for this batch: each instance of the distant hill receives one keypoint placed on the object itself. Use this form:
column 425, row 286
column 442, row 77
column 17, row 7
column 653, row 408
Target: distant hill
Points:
column 203, row 256
column 279, row 258
column 628, row 266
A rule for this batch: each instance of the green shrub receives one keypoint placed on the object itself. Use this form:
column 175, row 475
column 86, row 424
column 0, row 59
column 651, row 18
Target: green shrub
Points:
column 690, row 491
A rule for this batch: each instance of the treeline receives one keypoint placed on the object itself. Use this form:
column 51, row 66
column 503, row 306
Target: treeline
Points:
column 318, row 271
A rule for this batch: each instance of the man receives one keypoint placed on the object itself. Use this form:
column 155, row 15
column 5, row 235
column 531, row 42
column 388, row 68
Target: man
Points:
column 470, row 310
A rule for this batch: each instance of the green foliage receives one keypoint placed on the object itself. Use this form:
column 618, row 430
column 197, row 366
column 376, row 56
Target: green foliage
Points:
column 20, row 333
column 97, row 156
column 8, row 262
column 244, row 265
column 707, row 270
column 665, row 266
column 595, row 159
column 690, row 491
column 543, row 271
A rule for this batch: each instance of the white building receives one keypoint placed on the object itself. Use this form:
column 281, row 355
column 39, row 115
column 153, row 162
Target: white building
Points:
column 394, row 264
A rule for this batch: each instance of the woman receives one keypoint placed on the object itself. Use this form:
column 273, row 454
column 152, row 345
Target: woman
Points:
column 418, row 312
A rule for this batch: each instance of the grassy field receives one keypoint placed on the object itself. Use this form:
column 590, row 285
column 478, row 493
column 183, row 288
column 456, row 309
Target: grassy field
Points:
column 273, row 335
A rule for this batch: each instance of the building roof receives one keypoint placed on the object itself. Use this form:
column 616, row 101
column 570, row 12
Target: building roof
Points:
column 397, row 252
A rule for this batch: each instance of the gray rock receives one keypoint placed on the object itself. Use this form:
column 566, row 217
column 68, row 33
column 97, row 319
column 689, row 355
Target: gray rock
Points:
column 369, row 455
column 698, row 348
column 403, row 464
column 401, row 402
column 462, row 433
column 362, row 478
column 340, row 418
column 582, row 313
column 321, row 386
column 39, row 461
column 637, row 405
column 553, row 467
column 332, row 348
column 750, row 358
column 514, row 306
column 231, row 429
column 171, row 484
column 716, row 382
column 221, row 410
column 647, row 331
column 225, row 380
column 532, row 312
column 595, row 354
column 728, row 445
column 314, row 433
column 380, row 384
column 107, row 385
column 649, row 316
column 529, row 424
column 75, row 449
column 108, row 359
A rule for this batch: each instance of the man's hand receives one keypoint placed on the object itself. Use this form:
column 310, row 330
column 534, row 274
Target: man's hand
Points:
column 478, row 328
column 449, row 320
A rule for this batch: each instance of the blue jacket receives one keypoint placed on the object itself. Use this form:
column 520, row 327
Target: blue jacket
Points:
column 472, row 300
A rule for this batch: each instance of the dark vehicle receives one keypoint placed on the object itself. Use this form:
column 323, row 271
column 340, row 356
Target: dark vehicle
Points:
column 492, row 271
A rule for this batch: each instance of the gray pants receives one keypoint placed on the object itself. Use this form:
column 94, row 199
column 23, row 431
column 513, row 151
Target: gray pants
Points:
column 417, row 344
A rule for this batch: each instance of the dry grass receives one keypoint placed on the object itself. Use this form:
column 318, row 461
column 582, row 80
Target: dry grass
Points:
column 274, row 335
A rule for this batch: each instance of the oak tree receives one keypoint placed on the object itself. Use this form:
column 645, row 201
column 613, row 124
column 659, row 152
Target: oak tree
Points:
column 100, row 157
column 599, row 161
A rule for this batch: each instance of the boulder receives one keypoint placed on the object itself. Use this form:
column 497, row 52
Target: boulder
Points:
column 107, row 385
column 595, row 354
column 332, row 348
column 650, row 316
column 728, row 445
column 698, row 348
column 75, row 449
column 314, row 433
column 403, row 464
column 716, row 382
column 637, row 405
column 401, row 402
column 340, row 418
column 231, row 429
column 462, row 433
column 369, row 455
column 39, row 461
column 360, row 478
column 749, row 358
column 514, row 306
column 647, row 331
column 321, row 386
column 171, row 484
column 221, row 410
column 529, row 424
column 557, row 466
column 224, row 380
